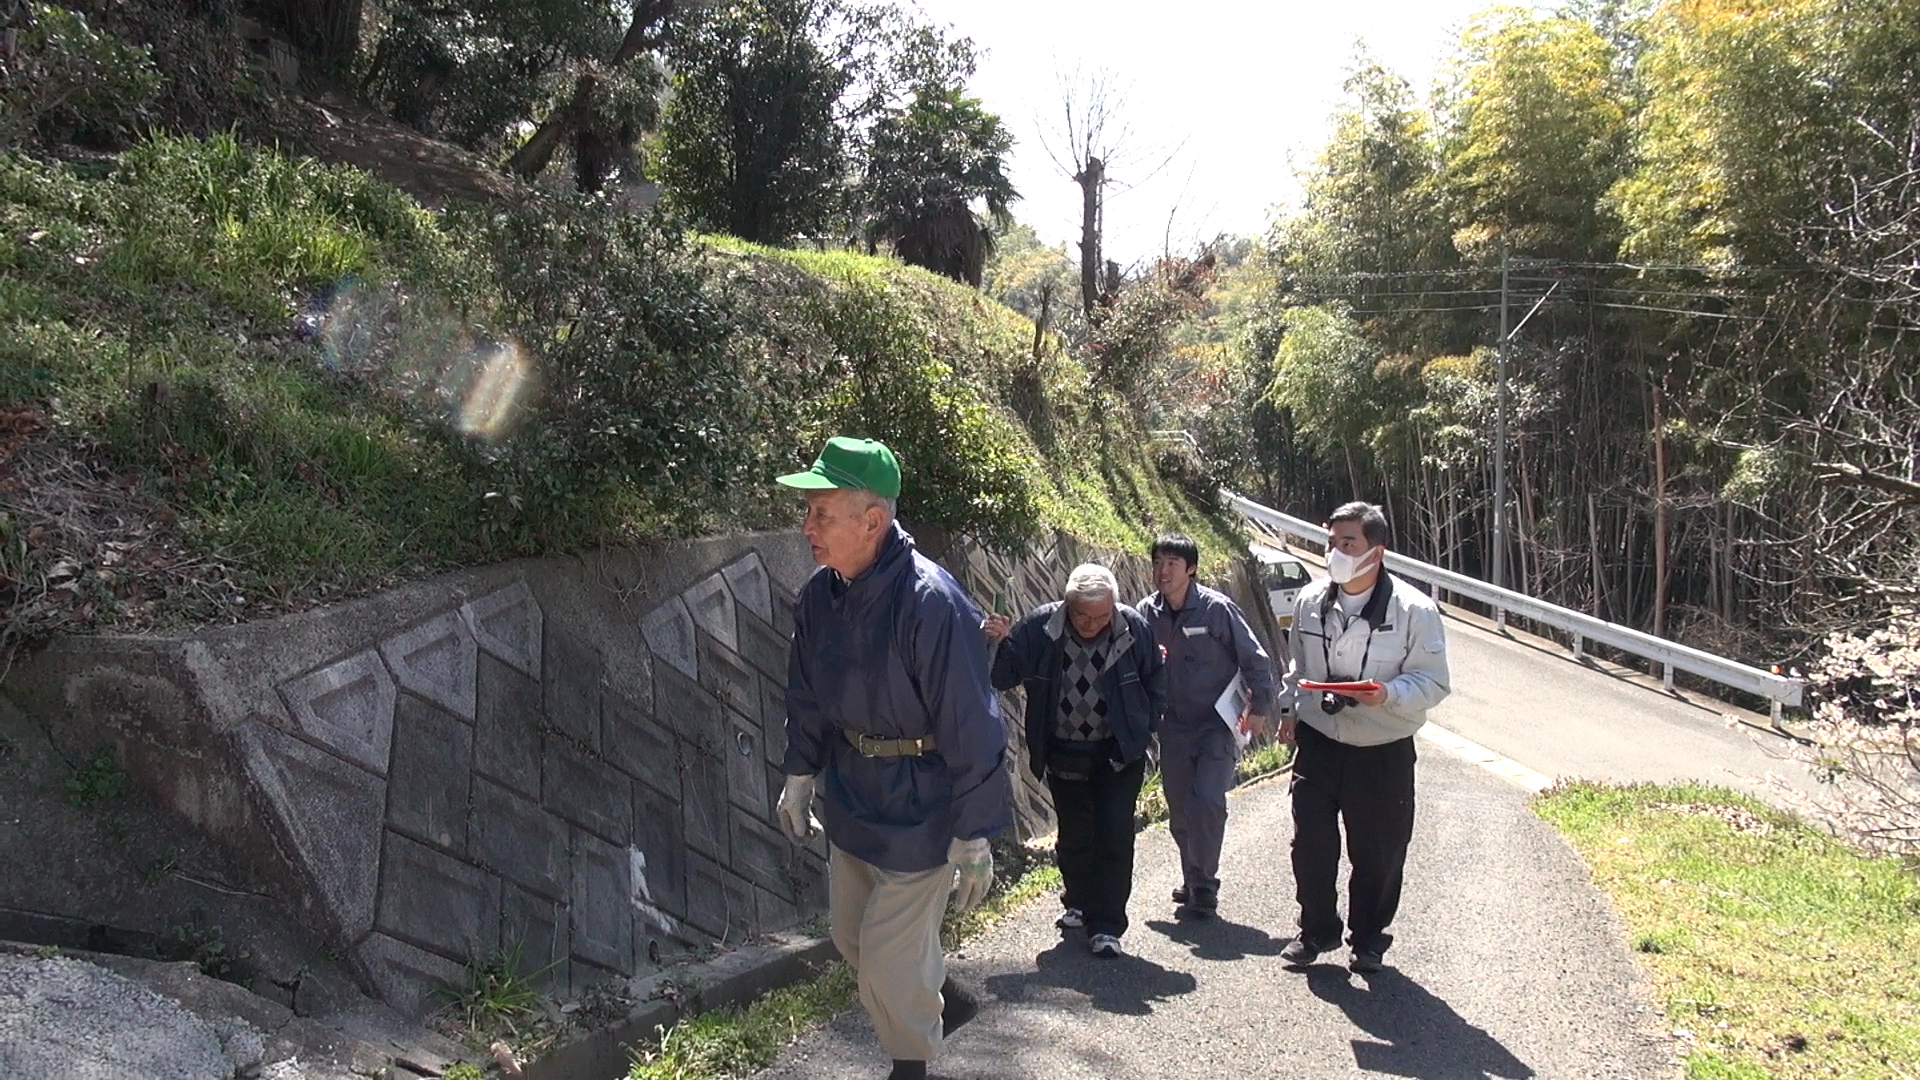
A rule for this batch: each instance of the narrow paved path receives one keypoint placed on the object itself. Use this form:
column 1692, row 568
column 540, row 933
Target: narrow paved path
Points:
column 1508, row 964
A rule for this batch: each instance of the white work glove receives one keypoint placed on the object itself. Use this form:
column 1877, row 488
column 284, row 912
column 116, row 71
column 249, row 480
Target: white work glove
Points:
column 796, row 809
column 973, row 860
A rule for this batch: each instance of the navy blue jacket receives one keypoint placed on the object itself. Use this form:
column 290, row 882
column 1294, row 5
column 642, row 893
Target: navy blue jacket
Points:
column 1135, row 687
column 1208, row 642
column 896, row 653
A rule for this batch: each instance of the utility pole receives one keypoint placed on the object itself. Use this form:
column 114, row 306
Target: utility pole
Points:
column 1500, row 438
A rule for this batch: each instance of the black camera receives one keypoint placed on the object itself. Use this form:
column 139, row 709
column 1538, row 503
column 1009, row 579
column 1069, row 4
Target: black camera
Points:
column 1331, row 702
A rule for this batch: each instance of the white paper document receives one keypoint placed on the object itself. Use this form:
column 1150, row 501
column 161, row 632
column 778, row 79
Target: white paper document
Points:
column 1231, row 707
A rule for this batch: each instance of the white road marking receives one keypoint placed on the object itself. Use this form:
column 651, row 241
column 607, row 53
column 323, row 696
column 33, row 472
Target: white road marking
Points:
column 1505, row 768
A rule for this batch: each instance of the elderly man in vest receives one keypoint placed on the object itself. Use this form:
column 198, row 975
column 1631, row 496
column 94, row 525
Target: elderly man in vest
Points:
column 891, row 720
column 1096, row 687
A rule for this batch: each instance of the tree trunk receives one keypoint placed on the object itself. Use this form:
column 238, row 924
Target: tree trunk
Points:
column 1593, row 545
column 326, row 30
column 1040, row 324
column 1090, row 179
column 1659, row 512
column 644, row 33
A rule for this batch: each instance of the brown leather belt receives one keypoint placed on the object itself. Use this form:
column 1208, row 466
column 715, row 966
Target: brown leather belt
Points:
column 874, row 746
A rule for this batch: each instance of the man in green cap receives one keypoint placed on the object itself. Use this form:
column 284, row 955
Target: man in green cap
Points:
column 890, row 714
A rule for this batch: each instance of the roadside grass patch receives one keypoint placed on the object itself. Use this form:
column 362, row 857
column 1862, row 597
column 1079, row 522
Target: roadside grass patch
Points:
column 1777, row 950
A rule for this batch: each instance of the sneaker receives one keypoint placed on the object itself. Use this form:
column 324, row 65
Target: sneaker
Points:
column 1201, row 903
column 1070, row 919
column 1302, row 951
column 1180, row 895
column 1105, row 946
column 1364, row 962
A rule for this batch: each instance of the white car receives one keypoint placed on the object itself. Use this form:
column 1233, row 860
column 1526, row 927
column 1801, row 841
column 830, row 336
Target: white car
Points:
column 1284, row 576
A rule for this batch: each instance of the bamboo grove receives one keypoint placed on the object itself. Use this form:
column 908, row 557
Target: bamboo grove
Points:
column 1707, row 212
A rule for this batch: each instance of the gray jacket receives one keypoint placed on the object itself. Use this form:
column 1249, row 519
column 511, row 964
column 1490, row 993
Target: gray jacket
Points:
column 1398, row 639
column 1207, row 643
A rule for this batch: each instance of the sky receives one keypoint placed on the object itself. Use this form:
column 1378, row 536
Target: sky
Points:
column 1232, row 95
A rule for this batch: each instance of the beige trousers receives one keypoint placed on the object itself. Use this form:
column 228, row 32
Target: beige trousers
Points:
column 887, row 925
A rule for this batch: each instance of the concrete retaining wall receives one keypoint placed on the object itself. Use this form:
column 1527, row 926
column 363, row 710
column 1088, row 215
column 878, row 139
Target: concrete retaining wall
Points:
column 572, row 761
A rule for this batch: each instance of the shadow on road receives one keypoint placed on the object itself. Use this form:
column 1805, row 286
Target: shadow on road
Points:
column 1218, row 939
column 1128, row 985
column 1420, row 1035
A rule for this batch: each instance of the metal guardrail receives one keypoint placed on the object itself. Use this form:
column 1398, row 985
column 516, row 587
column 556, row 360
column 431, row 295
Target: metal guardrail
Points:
column 1672, row 656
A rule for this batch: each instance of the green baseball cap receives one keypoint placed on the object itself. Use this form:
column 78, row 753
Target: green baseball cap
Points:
column 850, row 463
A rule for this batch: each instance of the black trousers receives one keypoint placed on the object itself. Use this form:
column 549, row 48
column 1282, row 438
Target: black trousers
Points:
column 1095, row 845
column 1370, row 789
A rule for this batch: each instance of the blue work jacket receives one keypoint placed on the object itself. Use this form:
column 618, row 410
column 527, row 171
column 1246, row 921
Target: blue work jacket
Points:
column 896, row 653
column 1208, row 642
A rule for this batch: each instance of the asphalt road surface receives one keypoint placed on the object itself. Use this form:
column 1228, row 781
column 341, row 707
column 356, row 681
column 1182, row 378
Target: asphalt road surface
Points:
column 1508, row 962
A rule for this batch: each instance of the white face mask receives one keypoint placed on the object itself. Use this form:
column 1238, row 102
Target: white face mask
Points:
column 1342, row 567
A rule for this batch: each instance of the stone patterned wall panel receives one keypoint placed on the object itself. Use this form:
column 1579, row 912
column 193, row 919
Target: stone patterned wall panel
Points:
column 763, row 647
column 718, row 902
column 662, row 841
column 407, row 978
column 533, row 932
column 727, row 677
column 506, row 744
column 703, row 787
column 751, row 587
column 520, row 840
column 638, row 744
column 329, row 813
column 669, row 630
column 773, row 721
column 809, row 880
column 685, row 705
column 712, row 608
column 783, row 614
column 587, row 792
column 573, row 676
column 601, row 913
column 745, row 766
column 432, row 768
column 773, row 913
column 437, row 661
column 507, row 624
column 437, row 902
column 762, row 855
column 346, row 707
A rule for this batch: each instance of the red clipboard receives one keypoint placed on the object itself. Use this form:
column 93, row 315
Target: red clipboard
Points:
column 1338, row 687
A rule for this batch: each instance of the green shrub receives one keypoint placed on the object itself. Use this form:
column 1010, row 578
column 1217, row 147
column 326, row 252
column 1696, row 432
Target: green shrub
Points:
column 68, row 82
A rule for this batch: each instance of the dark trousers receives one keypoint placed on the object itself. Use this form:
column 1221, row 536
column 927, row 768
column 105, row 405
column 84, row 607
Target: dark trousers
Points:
column 1196, row 769
column 1095, row 845
column 1370, row 788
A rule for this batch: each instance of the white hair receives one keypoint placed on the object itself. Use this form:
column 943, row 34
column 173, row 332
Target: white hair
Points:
column 1091, row 581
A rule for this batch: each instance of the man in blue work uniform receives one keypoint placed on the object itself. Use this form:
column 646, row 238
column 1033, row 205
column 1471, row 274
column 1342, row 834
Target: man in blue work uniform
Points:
column 1208, row 644
column 890, row 713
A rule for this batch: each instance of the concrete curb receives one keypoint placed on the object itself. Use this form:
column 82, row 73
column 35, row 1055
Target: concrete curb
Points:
column 735, row 978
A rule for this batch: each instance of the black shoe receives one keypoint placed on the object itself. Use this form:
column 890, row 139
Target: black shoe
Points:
column 1180, row 895
column 958, row 1006
column 1364, row 962
column 1302, row 951
column 1201, row 903
column 908, row 1070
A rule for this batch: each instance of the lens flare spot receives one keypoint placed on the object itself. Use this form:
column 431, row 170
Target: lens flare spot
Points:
column 496, row 386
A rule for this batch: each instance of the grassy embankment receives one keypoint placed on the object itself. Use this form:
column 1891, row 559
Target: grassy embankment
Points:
column 1775, row 950
column 234, row 383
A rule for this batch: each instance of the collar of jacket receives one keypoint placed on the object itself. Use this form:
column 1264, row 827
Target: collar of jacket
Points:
column 1375, row 612
column 894, row 557
column 1118, row 629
